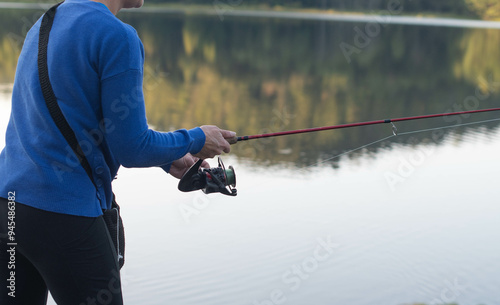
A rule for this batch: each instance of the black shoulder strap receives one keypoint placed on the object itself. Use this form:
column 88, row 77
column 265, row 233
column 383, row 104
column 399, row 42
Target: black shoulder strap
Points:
column 48, row 92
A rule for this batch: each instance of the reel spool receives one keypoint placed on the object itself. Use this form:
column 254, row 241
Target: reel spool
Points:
column 209, row 180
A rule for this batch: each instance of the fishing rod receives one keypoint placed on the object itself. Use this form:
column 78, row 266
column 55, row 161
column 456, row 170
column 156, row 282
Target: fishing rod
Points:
column 222, row 180
column 391, row 121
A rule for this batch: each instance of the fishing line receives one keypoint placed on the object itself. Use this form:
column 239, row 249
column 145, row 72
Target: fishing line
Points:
column 349, row 151
column 392, row 121
column 447, row 127
column 395, row 133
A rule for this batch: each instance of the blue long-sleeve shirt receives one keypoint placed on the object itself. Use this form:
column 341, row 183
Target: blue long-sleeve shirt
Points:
column 96, row 70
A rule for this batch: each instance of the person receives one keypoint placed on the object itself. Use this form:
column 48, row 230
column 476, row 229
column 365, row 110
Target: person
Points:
column 53, row 237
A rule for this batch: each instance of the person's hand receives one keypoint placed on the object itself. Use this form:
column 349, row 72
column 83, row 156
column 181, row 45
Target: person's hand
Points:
column 217, row 141
column 180, row 167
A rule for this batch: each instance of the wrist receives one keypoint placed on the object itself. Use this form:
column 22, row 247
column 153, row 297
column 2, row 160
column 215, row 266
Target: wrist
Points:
column 199, row 138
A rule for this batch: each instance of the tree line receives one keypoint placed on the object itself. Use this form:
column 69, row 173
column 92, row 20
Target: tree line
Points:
column 485, row 9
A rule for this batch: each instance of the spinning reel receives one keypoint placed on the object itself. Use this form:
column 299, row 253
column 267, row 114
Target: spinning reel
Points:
column 209, row 180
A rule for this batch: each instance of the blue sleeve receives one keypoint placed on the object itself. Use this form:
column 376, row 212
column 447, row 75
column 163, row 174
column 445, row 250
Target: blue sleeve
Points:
column 131, row 142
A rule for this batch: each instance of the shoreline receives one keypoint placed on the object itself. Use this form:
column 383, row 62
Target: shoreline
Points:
column 296, row 14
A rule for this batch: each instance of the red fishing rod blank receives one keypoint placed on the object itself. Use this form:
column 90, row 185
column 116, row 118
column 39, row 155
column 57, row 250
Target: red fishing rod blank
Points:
column 298, row 131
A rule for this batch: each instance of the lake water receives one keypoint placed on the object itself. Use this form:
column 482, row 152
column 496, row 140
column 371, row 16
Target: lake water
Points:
column 320, row 218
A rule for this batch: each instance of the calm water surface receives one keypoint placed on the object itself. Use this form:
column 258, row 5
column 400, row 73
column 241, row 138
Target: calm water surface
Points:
column 410, row 219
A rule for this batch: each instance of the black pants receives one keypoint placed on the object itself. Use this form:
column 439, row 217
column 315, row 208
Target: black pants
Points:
column 70, row 256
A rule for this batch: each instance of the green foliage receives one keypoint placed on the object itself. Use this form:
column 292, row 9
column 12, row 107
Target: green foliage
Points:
column 456, row 7
column 484, row 9
column 487, row 9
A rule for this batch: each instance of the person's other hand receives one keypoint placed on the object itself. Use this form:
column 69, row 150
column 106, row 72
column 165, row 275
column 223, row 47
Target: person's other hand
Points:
column 217, row 141
column 180, row 167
